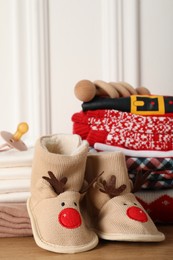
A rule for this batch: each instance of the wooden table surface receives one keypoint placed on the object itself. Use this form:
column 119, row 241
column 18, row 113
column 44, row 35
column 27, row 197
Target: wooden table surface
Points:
column 25, row 248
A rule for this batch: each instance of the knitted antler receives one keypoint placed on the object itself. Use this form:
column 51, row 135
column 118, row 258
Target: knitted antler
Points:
column 57, row 185
column 109, row 187
column 140, row 180
column 85, row 189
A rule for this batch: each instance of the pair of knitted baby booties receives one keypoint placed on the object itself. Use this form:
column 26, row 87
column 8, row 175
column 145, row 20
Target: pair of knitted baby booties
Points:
column 78, row 197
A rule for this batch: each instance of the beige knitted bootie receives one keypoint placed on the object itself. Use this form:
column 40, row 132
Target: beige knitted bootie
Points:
column 54, row 206
column 114, row 211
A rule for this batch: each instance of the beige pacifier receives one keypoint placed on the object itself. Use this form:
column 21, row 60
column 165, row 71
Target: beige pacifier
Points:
column 14, row 140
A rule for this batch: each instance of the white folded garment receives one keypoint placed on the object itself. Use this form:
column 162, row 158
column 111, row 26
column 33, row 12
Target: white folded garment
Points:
column 15, row 173
column 15, row 158
column 15, row 197
column 135, row 153
column 8, row 186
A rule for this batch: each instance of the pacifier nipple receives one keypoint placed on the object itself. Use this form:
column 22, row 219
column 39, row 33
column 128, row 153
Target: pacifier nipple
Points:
column 21, row 130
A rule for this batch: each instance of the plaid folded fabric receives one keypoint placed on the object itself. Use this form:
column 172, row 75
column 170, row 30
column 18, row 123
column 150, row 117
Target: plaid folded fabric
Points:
column 155, row 175
column 150, row 163
column 154, row 181
column 125, row 129
column 158, row 204
column 161, row 171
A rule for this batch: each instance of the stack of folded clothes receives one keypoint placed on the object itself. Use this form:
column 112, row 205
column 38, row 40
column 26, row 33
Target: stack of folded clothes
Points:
column 15, row 176
column 141, row 126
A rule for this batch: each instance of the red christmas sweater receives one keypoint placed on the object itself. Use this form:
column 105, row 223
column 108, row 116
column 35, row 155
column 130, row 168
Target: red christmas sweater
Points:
column 124, row 129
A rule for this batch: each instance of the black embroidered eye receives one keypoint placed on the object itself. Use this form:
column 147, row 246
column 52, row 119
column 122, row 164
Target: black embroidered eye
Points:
column 63, row 204
column 124, row 204
column 75, row 203
column 135, row 204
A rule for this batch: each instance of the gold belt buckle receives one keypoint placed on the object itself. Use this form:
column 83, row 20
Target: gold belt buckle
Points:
column 135, row 104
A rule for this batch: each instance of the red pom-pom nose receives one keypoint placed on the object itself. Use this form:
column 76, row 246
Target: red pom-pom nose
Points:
column 70, row 218
column 137, row 214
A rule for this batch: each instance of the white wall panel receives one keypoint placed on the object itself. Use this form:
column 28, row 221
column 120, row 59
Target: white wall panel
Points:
column 76, row 46
column 7, row 93
column 130, row 42
column 156, row 45
column 24, row 66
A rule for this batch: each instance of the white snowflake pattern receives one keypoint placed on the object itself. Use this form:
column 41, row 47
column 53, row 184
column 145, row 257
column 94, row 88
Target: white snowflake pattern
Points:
column 135, row 131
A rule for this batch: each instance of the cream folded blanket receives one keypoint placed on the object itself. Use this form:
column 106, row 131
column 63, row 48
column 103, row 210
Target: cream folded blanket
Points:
column 8, row 186
column 15, row 197
column 14, row 220
column 15, row 173
column 15, row 158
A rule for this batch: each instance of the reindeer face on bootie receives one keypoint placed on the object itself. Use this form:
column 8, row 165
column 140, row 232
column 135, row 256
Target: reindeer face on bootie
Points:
column 123, row 218
column 67, row 203
column 69, row 215
column 115, row 213
column 58, row 220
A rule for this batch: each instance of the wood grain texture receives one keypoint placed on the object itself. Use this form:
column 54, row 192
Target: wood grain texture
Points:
column 25, row 248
